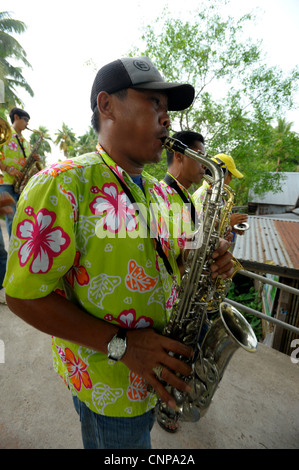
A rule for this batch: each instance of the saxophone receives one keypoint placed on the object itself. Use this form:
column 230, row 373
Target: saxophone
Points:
column 31, row 166
column 223, row 285
column 213, row 342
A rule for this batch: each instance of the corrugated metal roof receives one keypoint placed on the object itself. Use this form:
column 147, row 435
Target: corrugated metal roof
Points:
column 288, row 196
column 290, row 216
column 270, row 245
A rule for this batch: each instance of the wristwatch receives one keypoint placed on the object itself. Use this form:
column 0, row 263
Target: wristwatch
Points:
column 117, row 346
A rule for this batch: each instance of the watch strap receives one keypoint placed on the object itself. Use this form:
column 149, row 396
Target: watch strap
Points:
column 122, row 333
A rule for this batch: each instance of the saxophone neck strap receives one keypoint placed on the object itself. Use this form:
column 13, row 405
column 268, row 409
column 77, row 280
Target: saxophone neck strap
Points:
column 21, row 146
column 170, row 181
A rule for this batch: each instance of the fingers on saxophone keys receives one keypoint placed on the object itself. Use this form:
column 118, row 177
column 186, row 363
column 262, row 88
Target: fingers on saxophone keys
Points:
column 170, row 373
column 169, row 378
column 223, row 267
column 164, row 395
column 176, row 347
column 225, row 272
column 172, row 379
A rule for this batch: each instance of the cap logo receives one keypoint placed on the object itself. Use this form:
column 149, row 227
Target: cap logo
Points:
column 141, row 65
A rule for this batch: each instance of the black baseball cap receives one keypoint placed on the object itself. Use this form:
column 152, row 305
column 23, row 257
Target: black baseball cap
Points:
column 139, row 73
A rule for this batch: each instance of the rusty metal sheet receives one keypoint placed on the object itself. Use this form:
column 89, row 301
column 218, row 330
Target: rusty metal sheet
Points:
column 270, row 245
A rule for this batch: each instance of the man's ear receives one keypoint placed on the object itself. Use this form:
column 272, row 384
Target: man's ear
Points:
column 105, row 107
column 178, row 157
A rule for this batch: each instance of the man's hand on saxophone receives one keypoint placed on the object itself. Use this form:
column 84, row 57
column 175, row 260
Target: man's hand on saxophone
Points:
column 36, row 157
column 223, row 265
column 151, row 356
column 223, row 260
column 18, row 175
column 158, row 367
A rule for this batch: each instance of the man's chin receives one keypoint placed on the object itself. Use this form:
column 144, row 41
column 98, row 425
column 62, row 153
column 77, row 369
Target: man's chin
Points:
column 155, row 158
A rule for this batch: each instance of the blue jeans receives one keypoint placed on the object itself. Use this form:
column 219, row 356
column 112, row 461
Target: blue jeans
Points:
column 8, row 188
column 105, row 432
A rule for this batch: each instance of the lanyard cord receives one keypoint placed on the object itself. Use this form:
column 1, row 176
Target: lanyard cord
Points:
column 173, row 184
column 21, row 145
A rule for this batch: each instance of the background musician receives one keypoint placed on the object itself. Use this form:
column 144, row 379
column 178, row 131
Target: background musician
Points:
column 13, row 156
column 230, row 170
column 182, row 172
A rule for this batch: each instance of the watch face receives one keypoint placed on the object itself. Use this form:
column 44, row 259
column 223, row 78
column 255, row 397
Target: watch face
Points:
column 116, row 348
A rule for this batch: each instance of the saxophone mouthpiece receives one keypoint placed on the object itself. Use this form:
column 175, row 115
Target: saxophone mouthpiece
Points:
column 33, row 130
column 173, row 144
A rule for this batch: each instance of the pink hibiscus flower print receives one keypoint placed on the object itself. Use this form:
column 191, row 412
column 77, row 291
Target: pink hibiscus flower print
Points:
column 127, row 319
column 117, row 209
column 172, row 298
column 160, row 191
column 60, row 351
column 12, row 145
column 169, row 190
column 43, row 241
column 77, row 370
column 182, row 240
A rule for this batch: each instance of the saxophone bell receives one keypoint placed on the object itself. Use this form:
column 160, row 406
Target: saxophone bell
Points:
column 241, row 227
column 238, row 327
column 5, row 131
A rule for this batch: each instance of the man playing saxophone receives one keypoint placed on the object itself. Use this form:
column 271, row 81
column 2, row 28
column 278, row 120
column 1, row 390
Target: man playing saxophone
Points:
column 228, row 166
column 182, row 172
column 13, row 156
column 105, row 299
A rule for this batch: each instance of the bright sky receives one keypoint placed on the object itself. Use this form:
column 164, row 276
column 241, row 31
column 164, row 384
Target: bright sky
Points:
column 62, row 36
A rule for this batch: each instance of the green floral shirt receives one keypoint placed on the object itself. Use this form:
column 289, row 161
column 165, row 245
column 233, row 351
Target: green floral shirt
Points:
column 199, row 195
column 12, row 155
column 180, row 212
column 76, row 232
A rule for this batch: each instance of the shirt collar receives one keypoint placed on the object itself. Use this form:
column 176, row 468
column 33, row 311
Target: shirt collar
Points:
column 180, row 185
column 15, row 135
column 123, row 175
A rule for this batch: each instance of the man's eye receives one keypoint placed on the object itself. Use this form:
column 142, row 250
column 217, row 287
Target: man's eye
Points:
column 156, row 101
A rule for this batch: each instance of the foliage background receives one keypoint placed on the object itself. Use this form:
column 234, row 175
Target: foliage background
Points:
column 240, row 104
column 247, row 118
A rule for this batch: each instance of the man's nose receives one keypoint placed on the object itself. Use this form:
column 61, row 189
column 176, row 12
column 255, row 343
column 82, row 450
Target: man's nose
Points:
column 165, row 120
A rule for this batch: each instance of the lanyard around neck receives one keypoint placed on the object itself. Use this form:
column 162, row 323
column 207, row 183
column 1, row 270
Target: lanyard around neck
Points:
column 174, row 185
column 21, row 145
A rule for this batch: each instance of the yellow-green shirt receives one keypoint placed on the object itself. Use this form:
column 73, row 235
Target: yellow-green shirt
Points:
column 76, row 232
column 12, row 155
column 180, row 212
